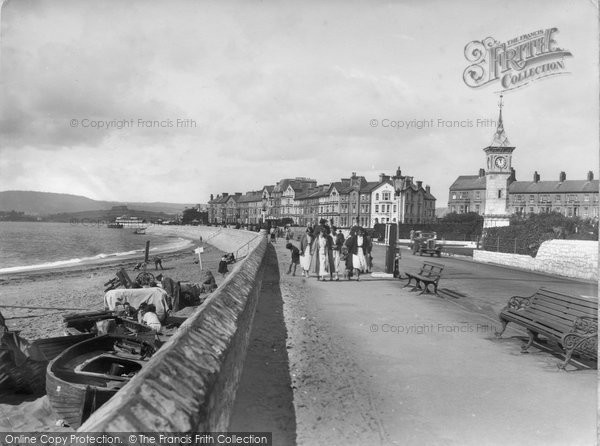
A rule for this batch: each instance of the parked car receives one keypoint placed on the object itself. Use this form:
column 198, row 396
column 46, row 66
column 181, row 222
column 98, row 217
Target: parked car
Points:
column 426, row 243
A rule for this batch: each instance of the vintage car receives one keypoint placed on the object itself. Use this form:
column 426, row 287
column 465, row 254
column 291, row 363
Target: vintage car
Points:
column 426, row 243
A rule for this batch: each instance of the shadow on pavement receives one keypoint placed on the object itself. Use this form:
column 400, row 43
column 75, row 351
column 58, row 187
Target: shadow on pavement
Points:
column 264, row 401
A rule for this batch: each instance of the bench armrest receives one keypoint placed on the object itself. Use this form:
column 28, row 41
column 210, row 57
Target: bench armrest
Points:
column 585, row 325
column 518, row 303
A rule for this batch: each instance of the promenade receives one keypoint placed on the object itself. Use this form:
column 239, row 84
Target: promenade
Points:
column 370, row 362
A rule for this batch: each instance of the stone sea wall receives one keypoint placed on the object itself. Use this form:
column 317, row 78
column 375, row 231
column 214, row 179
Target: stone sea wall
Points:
column 225, row 239
column 191, row 382
column 577, row 259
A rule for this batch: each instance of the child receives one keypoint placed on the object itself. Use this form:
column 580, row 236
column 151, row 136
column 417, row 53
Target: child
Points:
column 295, row 258
column 151, row 319
column 223, row 266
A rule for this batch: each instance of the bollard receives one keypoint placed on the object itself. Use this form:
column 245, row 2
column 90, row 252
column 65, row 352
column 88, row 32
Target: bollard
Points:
column 390, row 254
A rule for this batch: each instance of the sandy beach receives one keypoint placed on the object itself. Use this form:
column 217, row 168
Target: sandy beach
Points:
column 49, row 294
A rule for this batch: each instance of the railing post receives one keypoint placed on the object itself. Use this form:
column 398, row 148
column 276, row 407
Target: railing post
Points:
column 515, row 246
column 498, row 244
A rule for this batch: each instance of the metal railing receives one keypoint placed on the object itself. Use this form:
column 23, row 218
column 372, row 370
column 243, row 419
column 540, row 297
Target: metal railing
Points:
column 246, row 246
column 506, row 245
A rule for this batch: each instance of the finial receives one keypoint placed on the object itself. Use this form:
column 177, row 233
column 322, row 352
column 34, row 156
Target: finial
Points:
column 500, row 104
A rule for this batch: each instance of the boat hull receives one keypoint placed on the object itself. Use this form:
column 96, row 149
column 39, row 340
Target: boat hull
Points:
column 88, row 374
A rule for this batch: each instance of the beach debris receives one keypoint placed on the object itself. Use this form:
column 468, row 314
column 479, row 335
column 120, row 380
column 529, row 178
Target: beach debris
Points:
column 122, row 279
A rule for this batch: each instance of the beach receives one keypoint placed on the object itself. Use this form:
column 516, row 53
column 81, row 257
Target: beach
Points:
column 49, row 294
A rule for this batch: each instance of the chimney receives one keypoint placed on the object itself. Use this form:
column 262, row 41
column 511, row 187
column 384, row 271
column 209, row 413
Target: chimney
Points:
column 238, row 194
column 590, row 176
column 211, row 197
column 513, row 175
column 383, row 177
column 481, row 173
column 562, row 177
column 419, row 184
column 353, row 174
column 225, row 194
column 536, row 177
column 428, row 189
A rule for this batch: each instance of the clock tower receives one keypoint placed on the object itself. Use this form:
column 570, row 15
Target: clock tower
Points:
column 498, row 174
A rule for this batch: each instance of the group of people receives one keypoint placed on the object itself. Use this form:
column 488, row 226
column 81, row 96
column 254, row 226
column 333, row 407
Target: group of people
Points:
column 145, row 314
column 329, row 253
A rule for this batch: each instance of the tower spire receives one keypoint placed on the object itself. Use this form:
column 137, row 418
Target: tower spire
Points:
column 500, row 138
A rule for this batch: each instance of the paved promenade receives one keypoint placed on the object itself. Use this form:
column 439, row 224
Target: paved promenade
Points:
column 373, row 363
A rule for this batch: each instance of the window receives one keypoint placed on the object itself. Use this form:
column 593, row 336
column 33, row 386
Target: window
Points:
column 386, row 195
column 499, row 193
column 377, row 197
column 376, row 208
column 394, row 209
column 586, row 198
column 557, row 198
column 454, row 195
column 531, row 198
column 477, row 195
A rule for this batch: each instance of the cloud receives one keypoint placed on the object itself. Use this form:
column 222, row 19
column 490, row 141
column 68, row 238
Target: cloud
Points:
column 274, row 91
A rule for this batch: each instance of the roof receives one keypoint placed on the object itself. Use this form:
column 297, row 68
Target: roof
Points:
column 556, row 187
column 251, row 197
column 429, row 196
column 381, row 183
column 369, row 186
column 469, row 182
column 220, row 200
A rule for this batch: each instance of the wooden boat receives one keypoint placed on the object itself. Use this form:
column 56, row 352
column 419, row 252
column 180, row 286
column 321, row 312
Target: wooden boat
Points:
column 114, row 226
column 23, row 363
column 107, row 322
column 86, row 375
column 140, row 231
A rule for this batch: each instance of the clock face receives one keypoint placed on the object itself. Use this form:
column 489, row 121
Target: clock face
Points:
column 500, row 162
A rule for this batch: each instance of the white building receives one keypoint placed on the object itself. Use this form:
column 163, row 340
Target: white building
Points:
column 384, row 206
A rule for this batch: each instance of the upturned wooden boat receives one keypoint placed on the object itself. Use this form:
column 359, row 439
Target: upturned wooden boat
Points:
column 86, row 375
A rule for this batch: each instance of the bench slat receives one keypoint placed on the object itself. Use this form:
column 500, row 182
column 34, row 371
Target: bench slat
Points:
column 555, row 309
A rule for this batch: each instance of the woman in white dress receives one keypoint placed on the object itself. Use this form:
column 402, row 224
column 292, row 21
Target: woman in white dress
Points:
column 359, row 260
column 323, row 259
column 305, row 251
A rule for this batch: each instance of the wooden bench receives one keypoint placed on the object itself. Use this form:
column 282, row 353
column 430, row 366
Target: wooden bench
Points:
column 571, row 321
column 429, row 274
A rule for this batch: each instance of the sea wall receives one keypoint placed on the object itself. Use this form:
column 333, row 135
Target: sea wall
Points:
column 225, row 239
column 190, row 384
column 577, row 259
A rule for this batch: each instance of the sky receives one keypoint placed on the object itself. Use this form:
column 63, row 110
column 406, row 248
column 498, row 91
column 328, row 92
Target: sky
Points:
column 247, row 93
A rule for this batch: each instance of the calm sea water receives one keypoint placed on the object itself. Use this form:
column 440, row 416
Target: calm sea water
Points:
column 33, row 243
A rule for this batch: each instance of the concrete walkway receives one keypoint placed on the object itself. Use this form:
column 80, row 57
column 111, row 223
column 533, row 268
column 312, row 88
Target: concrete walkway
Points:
column 372, row 363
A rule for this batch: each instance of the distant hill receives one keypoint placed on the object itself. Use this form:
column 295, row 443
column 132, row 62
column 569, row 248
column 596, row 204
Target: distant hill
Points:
column 47, row 203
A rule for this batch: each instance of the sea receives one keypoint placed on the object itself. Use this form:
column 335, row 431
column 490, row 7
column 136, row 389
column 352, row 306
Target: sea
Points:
column 39, row 245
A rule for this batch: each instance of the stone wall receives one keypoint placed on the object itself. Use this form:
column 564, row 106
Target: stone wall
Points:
column 225, row 239
column 190, row 383
column 569, row 258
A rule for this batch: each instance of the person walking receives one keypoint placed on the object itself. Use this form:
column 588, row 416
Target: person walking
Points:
column 305, row 251
column 338, row 243
column 322, row 253
column 356, row 250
